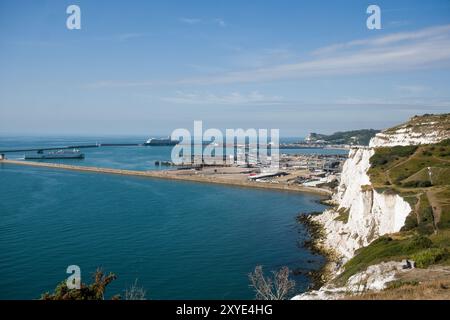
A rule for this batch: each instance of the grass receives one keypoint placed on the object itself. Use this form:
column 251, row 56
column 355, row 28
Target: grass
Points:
column 401, row 283
column 424, row 216
column 421, row 176
column 395, row 165
column 410, row 290
column 443, row 199
column 416, row 173
column 430, row 256
column 343, row 216
column 384, row 249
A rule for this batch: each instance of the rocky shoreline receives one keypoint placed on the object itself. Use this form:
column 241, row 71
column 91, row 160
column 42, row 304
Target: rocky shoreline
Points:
column 317, row 234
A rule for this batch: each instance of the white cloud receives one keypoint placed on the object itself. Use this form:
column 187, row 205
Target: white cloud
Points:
column 220, row 22
column 419, row 102
column 191, row 20
column 234, row 98
column 127, row 36
column 412, row 89
column 424, row 34
column 396, row 52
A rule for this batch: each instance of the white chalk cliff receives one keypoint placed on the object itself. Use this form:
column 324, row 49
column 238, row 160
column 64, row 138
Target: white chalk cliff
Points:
column 371, row 214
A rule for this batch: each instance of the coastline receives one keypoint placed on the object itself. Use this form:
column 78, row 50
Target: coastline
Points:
column 172, row 175
column 317, row 234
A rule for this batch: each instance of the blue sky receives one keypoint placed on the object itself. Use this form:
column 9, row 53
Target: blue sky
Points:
column 148, row 67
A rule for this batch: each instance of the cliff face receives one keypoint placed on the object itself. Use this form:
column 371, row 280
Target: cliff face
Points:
column 370, row 214
column 363, row 214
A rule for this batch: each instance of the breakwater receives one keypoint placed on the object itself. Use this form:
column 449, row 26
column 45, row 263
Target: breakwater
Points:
column 172, row 175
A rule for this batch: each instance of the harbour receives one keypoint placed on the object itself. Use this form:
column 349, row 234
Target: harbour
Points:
column 128, row 179
column 171, row 233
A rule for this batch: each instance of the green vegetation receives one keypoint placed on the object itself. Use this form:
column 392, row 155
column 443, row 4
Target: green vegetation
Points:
column 384, row 249
column 421, row 175
column 401, row 283
column 411, row 166
column 384, row 156
column 344, row 213
column 93, row 291
column 430, row 256
column 436, row 123
column 355, row 137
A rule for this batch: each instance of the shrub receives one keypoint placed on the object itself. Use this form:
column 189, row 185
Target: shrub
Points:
column 417, row 184
column 93, row 291
column 410, row 222
column 399, row 179
column 429, row 256
column 277, row 287
column 420, row 242
column 444, row 143
column 400, row 283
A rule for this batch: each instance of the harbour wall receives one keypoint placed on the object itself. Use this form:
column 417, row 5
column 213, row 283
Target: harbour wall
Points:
column 172, row 175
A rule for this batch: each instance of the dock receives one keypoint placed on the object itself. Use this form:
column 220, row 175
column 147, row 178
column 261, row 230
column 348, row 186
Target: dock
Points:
column 171, row 175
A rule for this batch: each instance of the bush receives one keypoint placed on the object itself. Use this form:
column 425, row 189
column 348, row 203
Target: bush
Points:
column 410, row 222
column 420, row 242
column 401, row 283
column 444, row 143
column 385, row 155
column 93, row 291
column 378, row 160
column 417, row 184
column 401, row 177
column 429, row 256
column 277, row 287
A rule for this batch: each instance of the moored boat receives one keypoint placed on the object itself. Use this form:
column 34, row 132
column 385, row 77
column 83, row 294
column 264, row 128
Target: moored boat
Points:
column 58, row 154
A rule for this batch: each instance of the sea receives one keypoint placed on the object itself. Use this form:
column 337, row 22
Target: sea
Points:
column 177, row 240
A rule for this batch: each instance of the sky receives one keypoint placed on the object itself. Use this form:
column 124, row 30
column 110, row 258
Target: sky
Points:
column 149, row 67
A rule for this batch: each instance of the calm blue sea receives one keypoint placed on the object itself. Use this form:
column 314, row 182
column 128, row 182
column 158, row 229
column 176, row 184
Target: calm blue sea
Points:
column 180, row 240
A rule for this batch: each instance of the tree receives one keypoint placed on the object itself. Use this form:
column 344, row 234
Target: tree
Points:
column 277, row 287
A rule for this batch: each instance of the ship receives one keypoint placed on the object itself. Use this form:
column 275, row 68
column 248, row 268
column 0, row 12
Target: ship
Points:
column 161, row 142
column 58, row 154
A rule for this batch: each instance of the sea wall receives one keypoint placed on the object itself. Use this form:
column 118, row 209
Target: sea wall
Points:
column 176, row 175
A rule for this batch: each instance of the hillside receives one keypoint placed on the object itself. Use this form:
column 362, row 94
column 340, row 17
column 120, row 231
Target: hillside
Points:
column 355, row 137
column 420, row 174
column 426, row 129
column 392, row 204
